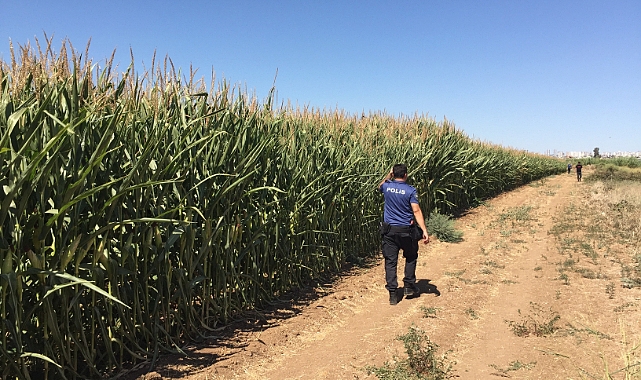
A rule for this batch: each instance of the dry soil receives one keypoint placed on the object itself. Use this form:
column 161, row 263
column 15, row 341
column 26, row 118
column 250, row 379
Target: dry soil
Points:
column 505, row 274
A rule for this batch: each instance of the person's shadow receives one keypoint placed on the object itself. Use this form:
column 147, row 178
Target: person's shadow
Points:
column 425, row 288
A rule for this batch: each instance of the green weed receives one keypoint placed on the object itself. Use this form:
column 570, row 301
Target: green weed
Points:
column 443, row 228
column 422, row 363
column 471, row 313
column 609, row 290
column 571, row 330
column 506, row 233
column 458, row 273
column 625, row 307
column 539, row 322
column 513, row 366
column 429, row 312
column 493, row 264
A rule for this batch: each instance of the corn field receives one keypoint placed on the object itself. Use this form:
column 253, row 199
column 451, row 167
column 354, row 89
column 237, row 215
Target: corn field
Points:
column 140, row 211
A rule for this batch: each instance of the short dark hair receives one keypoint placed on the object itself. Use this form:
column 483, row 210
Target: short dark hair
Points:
column 399, row 170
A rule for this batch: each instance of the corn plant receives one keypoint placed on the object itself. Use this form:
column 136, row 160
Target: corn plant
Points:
column 141, row 211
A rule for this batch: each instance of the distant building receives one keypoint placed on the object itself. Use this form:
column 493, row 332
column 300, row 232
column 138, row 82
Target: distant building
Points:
column 576, row 154
column 621, row 154
column 579, row 154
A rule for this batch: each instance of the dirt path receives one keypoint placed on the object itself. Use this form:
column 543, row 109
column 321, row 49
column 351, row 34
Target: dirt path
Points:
column 505, row 270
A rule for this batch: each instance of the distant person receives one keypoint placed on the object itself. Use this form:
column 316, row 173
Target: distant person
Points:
column 569, row 168
column 578, row 168
column 400, row 211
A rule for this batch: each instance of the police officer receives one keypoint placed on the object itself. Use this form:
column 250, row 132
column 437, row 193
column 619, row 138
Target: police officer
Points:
column 401, row 209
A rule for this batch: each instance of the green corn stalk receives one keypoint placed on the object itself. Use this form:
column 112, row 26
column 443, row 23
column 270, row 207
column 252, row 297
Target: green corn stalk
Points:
column 155, row 210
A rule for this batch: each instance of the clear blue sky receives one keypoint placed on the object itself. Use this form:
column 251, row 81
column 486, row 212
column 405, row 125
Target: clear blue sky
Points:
column 535, row 74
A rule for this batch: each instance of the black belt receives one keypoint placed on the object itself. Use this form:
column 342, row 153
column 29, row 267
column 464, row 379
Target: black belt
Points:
column 400, row 228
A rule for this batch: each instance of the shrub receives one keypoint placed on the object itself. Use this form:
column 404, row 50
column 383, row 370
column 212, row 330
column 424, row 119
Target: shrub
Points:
column 540, row 322
column 443, row 228
column 422, row 363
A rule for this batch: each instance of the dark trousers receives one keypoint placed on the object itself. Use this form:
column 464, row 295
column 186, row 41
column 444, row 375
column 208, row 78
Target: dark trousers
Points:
column 396, row 239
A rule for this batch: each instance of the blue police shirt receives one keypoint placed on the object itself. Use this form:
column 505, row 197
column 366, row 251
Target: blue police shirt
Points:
column 398, row 198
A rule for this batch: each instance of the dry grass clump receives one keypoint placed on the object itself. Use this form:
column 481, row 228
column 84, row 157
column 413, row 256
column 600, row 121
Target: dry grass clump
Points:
column 618, row 205
column 538, row 322
column 609, row 172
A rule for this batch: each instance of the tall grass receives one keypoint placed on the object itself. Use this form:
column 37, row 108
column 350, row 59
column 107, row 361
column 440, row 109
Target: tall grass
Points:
column 609, row 172
column 141, row 210
column 630, row 162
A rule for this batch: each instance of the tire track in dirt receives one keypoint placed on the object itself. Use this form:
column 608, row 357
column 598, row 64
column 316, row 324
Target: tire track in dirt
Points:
column 504, row 265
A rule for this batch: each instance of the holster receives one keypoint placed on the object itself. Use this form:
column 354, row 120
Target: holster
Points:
column 384, row 228
column 416, row 232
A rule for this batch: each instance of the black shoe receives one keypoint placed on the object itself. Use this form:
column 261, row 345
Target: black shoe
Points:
column 411, row 290
column 393, row 299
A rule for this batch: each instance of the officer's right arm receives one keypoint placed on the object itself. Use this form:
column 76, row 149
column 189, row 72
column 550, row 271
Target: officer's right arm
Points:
column 388, row 177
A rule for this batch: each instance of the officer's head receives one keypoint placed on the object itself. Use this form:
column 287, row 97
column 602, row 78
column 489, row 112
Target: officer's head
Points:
column 399, row 171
